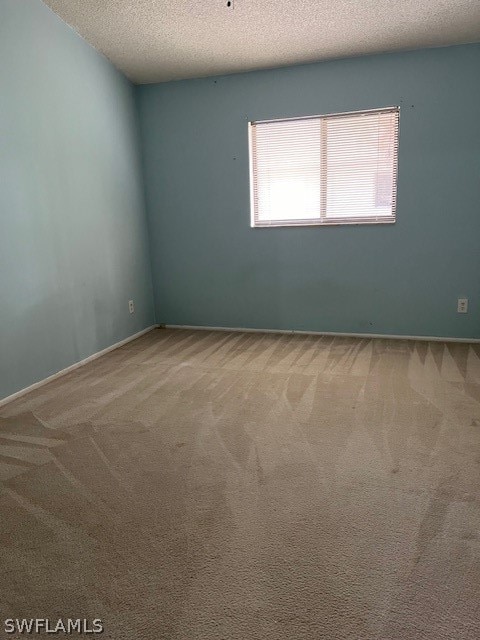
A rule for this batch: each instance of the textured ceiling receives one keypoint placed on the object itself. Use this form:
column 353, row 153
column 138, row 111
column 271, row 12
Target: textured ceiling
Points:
column 160, row 40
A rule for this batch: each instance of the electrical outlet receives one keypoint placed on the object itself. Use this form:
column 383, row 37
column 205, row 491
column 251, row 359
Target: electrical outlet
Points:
column 131, row 306
column 462, row 305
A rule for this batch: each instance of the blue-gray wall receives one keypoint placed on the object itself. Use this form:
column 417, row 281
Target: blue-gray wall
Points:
column 211, row 268
column 73, row 241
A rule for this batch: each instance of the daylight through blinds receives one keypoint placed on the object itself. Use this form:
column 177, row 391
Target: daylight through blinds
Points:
column 325, row 170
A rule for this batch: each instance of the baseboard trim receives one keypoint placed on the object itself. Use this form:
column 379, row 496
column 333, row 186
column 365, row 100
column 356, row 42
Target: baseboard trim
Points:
column 383, row 336
column 76, row 365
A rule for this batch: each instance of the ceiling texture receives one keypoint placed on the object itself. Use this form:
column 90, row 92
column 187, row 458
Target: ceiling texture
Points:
column 161, row 40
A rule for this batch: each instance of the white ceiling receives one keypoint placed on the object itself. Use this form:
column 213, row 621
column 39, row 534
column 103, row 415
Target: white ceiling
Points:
column 160, row 40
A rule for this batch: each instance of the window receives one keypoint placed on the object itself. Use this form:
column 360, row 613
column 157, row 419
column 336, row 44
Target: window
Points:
column 333, row 169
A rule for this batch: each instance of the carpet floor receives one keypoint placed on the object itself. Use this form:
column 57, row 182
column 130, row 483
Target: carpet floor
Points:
column 197, row 485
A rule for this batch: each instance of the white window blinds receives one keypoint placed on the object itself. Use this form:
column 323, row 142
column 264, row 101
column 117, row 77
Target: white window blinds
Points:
column 333, row 169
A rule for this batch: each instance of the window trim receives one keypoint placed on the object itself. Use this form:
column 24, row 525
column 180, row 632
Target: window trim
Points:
column 322, row 222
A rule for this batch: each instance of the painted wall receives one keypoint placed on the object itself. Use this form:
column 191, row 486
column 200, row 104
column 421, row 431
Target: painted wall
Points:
column 211, row 268
column 73, row 241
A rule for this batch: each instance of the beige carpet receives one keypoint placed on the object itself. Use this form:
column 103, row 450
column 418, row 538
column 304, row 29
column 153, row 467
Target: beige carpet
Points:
column 201, row 485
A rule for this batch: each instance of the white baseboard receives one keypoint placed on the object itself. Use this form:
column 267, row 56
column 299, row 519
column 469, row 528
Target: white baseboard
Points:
column 76, row 365
column 384, row 336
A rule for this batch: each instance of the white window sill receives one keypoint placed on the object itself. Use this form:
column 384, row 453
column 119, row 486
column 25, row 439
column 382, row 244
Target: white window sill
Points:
column 322, row 223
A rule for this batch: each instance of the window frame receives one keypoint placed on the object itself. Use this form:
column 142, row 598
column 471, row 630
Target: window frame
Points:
column 324, row 221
